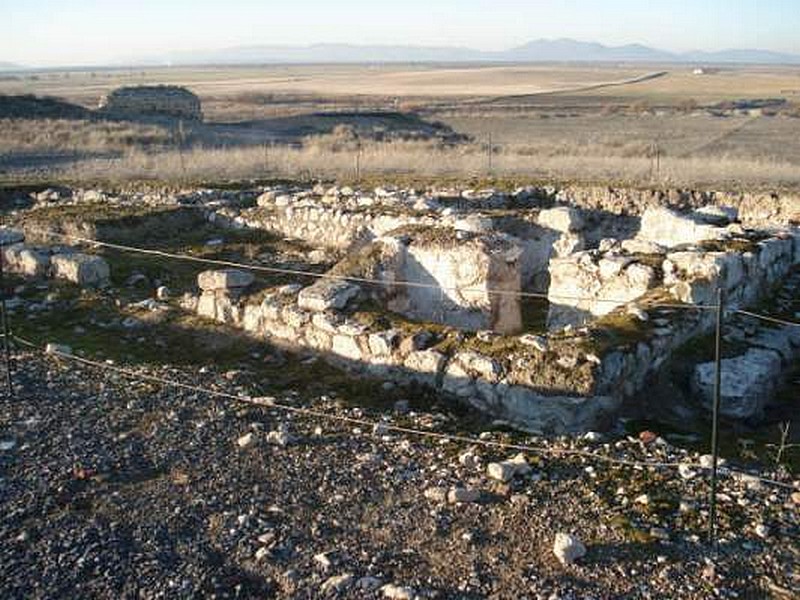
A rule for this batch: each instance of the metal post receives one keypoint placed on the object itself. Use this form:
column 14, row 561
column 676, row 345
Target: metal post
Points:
column 712, row 524
column 658, row 160
column 358, row 162
column 4, row 318
column 491, row 151
column 180, row 147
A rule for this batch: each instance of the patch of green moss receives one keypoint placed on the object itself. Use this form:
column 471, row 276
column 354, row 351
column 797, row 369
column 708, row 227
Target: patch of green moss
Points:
column 362, row 263
column 734, row 245
column 617, row 330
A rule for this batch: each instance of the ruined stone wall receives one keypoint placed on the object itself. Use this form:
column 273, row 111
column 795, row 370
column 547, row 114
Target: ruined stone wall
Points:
column 551, row 384
column 463, row 271
column 588, row 285
column 755, row 208
column 745, row 277
column 687, row 253
column 318, row 226
column 160, row 100
column 58, row 262
column 529, row 391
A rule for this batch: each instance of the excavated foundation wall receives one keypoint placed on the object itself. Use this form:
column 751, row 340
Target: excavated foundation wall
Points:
column 756, row 209
column 459, row 277
column 693, row 279
column 551, row 385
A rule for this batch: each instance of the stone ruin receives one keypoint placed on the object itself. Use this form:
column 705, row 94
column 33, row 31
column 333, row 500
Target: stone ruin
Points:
column 456, row 272
column 429, row 288
column 152, row 101
column 57, row 262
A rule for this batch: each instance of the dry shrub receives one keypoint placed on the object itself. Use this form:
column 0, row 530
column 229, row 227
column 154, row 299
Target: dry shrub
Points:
column 426, row 160
column 62, row 135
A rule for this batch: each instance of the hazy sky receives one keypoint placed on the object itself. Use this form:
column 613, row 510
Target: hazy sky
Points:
column 41, row 32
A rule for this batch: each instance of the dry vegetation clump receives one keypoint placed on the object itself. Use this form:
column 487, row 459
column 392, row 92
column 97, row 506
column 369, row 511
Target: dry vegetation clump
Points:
column 426, row 159
column 62, row 135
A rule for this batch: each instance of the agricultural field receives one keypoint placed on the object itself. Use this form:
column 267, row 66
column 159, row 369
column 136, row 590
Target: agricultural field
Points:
column 653, row 124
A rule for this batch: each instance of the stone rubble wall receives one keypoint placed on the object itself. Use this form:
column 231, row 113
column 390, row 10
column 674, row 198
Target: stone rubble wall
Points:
column 464, row 275
column 393, row 354
column 591, row 284
column 587, row 285
column 58, row 262
column 744, row 277
column 669, row 229
column 160, row 100
column 751, row 378
column 318, row 226
column 755, row 209
column 534, row 393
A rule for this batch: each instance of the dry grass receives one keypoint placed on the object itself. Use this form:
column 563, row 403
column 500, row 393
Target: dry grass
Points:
column 607, row 135
column 430, row 160
column 48, row 135
column 698, row 135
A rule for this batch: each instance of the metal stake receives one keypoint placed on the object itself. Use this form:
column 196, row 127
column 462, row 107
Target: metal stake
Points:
column 712, row 524
column 491, row 151
column 358, row 162
column 4, row 318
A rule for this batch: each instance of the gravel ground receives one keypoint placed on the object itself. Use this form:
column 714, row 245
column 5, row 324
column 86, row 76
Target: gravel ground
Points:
column 113, row 488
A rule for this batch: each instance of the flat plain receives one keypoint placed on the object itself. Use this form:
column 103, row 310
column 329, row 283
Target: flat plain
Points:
column 665, row 125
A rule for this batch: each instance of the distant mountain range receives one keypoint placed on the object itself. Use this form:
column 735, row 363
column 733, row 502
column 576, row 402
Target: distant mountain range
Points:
column 545, row 50
column 7, row 66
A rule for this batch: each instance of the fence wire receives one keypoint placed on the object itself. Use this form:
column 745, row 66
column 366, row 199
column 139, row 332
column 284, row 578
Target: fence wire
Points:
column 365, row 280
column 373, row 426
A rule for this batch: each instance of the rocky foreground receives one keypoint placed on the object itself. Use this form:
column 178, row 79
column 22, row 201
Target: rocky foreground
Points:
column 113, row 488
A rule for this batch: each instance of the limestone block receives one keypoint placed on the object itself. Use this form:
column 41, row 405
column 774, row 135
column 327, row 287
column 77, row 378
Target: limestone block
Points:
column 568, row 243
column 26, row 261
column 717, row 215
column 457, row 380
column 580, row 289
column 327, row 294
column 82, row 269
column 252, row 318
column 611, row 266
column 425, row 363
column 554, row 414
column 228, row 310
column 383, row 343
column 271, row 308
column 225, row 279
column 346, row 346
column 670, row 229
column 351, row 328
column 281, row 331
column 688, row 266
column 481, row 366
column 317, row 339
column 327, row 322
column 748, row 381
column 561, row 218
column 207, row 305
column 294, row 316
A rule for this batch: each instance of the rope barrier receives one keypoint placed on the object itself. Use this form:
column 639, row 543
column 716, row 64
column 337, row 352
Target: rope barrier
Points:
column 768, row 319
column 375, row 425
column 354, row 279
